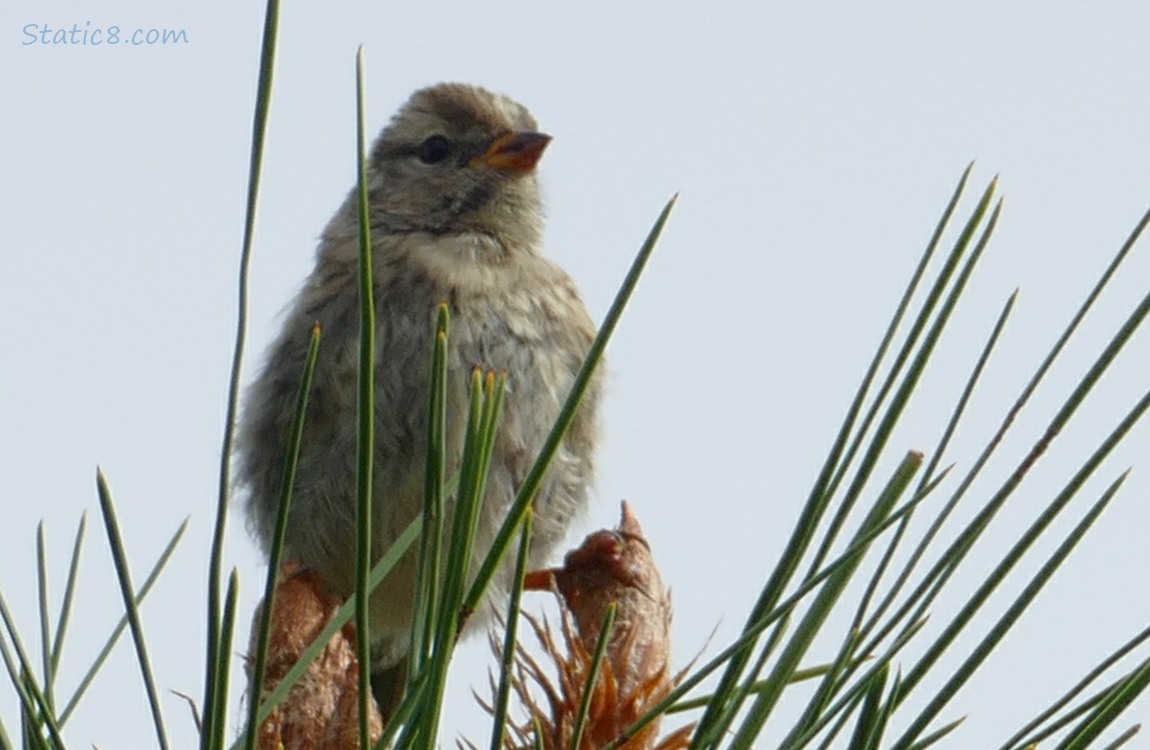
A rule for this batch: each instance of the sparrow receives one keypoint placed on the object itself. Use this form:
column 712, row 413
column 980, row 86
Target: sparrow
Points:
column 456, row 217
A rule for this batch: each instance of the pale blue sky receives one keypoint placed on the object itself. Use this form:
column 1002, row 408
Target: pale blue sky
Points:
column 814, row 146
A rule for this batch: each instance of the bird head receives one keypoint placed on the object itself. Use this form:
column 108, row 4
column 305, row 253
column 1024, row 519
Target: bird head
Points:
column 459, row 159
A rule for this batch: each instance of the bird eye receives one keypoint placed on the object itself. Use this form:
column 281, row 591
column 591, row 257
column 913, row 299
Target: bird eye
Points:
column 434, row 150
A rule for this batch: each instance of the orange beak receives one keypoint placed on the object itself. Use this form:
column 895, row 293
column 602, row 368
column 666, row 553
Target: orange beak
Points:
column 516, row 153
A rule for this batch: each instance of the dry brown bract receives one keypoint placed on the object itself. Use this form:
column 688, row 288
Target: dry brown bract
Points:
column 320, row 712
column 612, row 565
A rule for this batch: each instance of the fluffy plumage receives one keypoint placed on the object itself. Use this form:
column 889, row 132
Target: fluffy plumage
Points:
column 456, row 216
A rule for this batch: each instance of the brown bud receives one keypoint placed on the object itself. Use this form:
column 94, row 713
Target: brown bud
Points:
column 320, row 712
column 612, row 565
